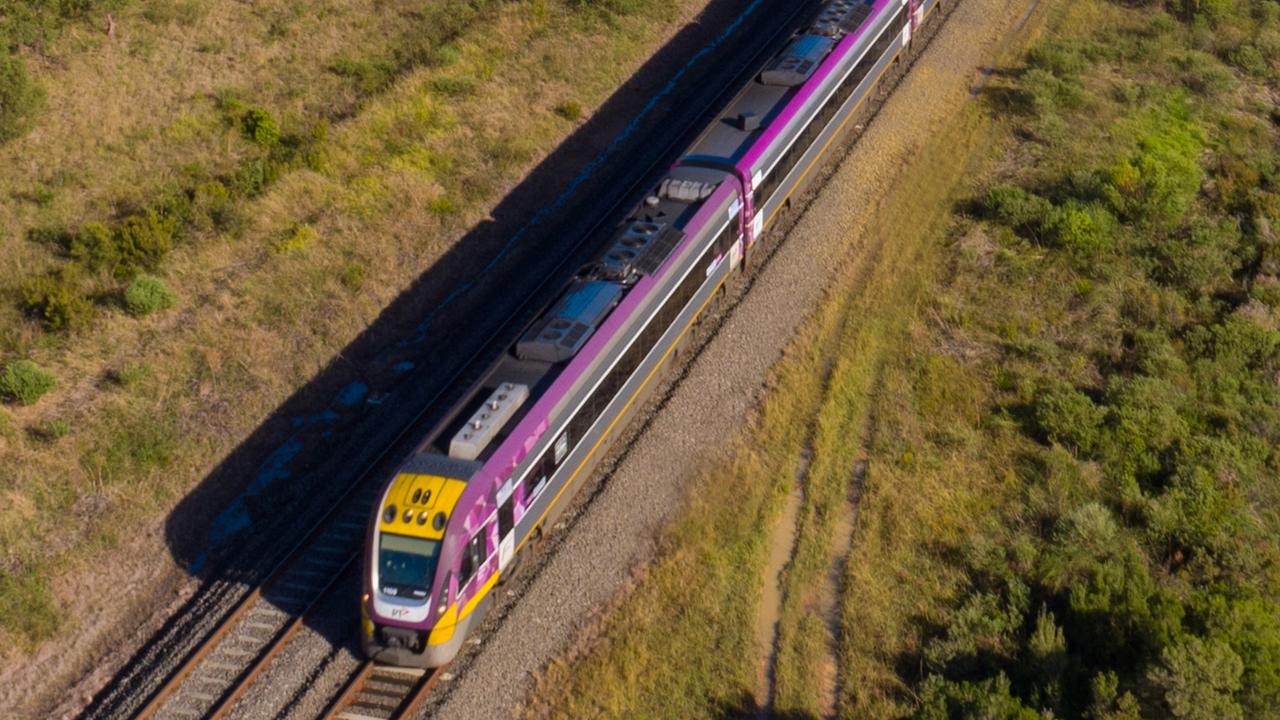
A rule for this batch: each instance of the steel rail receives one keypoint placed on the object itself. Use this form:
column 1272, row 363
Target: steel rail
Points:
column 391, row 692
column 473, row 364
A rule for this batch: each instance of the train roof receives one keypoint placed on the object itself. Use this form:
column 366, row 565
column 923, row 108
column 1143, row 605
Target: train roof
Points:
column 506, row 418
column 762, row 105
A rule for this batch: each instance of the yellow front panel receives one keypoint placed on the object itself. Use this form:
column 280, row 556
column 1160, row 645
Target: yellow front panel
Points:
column 421, row 498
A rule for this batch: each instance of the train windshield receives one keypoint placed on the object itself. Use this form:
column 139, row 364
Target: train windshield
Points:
column 406, row 565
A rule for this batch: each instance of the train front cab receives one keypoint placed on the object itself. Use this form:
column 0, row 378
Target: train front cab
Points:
column 410, row 614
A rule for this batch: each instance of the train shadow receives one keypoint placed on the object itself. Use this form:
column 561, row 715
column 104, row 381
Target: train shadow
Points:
column 240, row 521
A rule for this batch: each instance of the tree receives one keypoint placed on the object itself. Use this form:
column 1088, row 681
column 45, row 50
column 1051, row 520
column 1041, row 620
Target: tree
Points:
column 1198, row 680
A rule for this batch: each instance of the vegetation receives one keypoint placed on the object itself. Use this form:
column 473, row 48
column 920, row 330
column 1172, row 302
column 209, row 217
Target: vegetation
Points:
column 1107, row 544
column 295, row 199
column 148, row 294
column 1070, row 502
column 20, row 98
column 25, row 382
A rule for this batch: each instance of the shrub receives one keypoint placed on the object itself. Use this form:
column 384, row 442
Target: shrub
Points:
column 1196, row 261
column 148, row 294
column 130, row 374
column 1067, row 416
column 1249, row 59
column 27, row 604
column 25, row 382
column 1082, row 231
column 1012, row 206
column 52, row 430
column 20, row 98
column 1199, row 680
column 260, row 127
column 1145, row 420
column 453, row 86
column 143, row 241
column 1158, row 183
column 1202, row 73
column 298, row 238
column 212, row 206
column 569, row 110
column 352, row 277
column 253, row 177
column 369, row 76
column 1061, row 60
column 94, row 246
column 57, row 301
column 1043, row 92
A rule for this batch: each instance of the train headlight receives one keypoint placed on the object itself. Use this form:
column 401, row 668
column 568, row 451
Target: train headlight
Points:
column 389, row 515
column 443, row 605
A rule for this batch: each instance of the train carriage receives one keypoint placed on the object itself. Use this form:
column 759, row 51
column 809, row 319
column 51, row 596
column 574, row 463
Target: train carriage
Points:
column 503, row 463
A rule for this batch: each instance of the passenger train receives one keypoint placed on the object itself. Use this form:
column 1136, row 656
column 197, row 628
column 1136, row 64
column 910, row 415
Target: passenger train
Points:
column 502, row 466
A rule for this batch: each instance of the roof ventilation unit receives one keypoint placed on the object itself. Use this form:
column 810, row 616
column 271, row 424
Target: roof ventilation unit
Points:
column 687, row 191
column 841, row 16
column 559, row 334
column 485, row 423
column 620, row 261
column 798, row 61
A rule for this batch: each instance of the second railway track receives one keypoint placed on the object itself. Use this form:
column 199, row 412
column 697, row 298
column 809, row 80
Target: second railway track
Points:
column 382, row 692
column 217, row 673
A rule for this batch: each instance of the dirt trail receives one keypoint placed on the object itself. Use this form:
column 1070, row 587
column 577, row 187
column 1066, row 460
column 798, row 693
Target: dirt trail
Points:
column 782, row 540
column 616, row 531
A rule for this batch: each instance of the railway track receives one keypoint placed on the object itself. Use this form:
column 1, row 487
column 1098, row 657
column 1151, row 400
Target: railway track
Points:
column 382, row 692
column 233, row 655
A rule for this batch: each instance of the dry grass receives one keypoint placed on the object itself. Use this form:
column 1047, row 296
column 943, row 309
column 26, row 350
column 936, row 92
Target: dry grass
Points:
column 151, row 404
column 702, row 661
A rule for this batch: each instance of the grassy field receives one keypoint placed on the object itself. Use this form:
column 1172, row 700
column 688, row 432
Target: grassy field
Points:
column 1070, row 496
column 1071, row 503
column 210, row 200
column 703, row 661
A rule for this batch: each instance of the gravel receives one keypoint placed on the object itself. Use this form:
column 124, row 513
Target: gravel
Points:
column 616, row 531
column 141, row 628
column 588, row 561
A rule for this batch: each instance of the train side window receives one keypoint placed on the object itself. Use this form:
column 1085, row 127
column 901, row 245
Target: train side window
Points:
column 472, row 558
column 507, row 517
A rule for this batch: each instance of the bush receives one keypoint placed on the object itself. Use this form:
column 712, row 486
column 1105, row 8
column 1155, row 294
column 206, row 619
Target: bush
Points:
column 1043, row 92
column 1067, row 416
column 369, row 76
column 51, row 431
column 1012, row 206
column 569, row 110
column 1061, row 60
column 20, row 98
column 1196, row 261
column 1202, row 73
column 139, row 243
column 143, row 241
column 298, row 238
column 1159, row 182
column 1199, row 680
column 212, row 207
column 148, row 294
column 1082, row 231
column 352, row 277
column 25, row 382
column 57, row 301
column 1249, row 59
column 260, row 127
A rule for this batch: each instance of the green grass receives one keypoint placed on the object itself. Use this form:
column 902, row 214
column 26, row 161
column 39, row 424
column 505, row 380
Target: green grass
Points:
column 702, row 660
column 1070, row 498
column 25, row 382
column 1083, row 530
